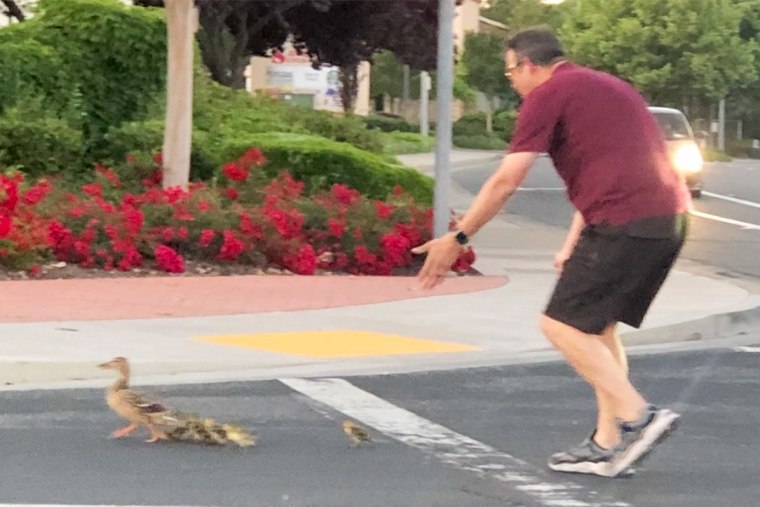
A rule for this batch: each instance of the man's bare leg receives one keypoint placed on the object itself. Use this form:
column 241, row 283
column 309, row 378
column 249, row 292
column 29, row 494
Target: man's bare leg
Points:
column 607, row 429
column 597, row 364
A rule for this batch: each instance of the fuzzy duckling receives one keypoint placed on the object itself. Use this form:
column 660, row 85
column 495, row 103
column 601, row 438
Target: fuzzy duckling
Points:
column 132, row 406
column 208, row 431
column 357, row 434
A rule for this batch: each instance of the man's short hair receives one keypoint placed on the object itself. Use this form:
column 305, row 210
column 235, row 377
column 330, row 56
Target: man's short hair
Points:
column 540, row 45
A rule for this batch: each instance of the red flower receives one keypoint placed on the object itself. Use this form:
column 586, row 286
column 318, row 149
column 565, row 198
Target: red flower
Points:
column 167, row 234
column 304, row 262
column 203, row 206
column 398, row 190
column 93, row 189
column 37, row 193
column 232, row 194
column 182, row 233
column 35, row 270
column 206, row 237
column 464, row 261
column 158, row 158
column 344, row 194
column 5, row 225
column 235, row 172
column 383, row 210
column 133, row 219
column 337, row 227
column 364, row 257
column 168, row 259
column 231, row 248
column 395, row 248
column 252, row 156
column 248, row 228
column 109, row 175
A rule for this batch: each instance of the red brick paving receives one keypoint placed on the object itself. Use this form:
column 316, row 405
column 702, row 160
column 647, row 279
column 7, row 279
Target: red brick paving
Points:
column 156, row 297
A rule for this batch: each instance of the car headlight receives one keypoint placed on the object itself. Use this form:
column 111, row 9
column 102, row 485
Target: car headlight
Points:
column 688, row 159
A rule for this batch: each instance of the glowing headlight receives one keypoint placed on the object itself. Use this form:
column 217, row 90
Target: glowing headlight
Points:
column 688, row 159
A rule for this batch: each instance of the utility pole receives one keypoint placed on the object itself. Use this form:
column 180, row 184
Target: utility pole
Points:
column 444, row 98
column 424, row 103
column 722, row 125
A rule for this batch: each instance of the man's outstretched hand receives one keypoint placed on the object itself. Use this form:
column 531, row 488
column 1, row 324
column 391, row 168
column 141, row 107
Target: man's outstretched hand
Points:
column 441, row 253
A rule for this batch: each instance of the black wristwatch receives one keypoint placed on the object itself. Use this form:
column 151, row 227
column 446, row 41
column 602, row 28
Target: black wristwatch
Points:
column 461, row 237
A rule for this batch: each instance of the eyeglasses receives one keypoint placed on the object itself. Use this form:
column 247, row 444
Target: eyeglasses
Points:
column 508, row 71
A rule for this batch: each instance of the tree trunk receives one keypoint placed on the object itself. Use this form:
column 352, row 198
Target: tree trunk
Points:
column 349, row 81
column 13, row 10
column 181, row 26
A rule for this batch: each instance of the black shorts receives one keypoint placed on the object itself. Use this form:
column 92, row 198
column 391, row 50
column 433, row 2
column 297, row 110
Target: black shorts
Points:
column 614, row 273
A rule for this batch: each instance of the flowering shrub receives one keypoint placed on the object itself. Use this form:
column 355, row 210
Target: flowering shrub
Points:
column 123, row 219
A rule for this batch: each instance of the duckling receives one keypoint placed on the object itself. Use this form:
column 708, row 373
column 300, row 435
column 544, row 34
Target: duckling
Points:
column 357, row 434
column 132, row 406
column 239, row 435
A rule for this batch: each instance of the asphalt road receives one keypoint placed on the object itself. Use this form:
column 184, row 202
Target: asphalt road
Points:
column 474, row 437
column 724, row 234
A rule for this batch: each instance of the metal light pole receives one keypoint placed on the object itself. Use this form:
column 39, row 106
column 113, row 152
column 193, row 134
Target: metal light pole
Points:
column 444, row 97
column 424, row 102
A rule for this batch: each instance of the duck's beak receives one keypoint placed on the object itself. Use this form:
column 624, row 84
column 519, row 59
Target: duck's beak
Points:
column 106, row 366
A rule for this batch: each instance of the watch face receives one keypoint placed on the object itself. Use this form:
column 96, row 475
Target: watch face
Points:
column 461, row 238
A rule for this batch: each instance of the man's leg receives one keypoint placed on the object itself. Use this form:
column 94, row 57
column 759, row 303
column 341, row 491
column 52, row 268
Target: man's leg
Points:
column 593, row 361
column 607, row 429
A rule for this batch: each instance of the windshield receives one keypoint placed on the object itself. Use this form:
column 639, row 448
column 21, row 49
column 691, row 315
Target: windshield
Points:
column 673, row 125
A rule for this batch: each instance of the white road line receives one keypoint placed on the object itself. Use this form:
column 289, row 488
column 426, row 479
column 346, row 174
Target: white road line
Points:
column 78, row 505
column 448, row 446
column 716, row 218
column 755, row 350
column 732, row 199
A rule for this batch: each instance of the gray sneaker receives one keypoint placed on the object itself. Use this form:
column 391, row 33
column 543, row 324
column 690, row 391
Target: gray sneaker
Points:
column 638, row 439
column 586, row 458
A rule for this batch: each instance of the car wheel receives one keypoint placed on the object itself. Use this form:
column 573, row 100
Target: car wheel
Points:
column 696, row 194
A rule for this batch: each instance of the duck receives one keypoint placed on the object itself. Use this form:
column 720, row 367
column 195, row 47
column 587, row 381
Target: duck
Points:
column 133, row 406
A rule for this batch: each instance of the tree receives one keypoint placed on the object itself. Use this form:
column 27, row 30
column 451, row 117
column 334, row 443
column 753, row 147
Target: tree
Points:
column 12, row 9
column 484, row 69
column 685, row 53
column 518, row 14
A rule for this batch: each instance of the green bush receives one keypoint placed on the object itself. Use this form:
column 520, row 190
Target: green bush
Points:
column 39, row 144
column 346, row 129
column 480, row 142
column 113, row 54
column 320, row 163
column 739, row 147
column 148, row 137
column 398, row 143
column 711, row 155
column 389, row 123
column 474, row 124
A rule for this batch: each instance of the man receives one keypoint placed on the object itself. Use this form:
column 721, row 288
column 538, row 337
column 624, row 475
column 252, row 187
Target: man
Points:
column 627, row 232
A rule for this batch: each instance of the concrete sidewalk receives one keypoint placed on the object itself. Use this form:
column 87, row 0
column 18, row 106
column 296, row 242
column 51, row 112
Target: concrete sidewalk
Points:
column 53, row 333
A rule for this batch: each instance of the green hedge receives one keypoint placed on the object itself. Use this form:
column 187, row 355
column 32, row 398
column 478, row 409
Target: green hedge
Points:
column 480, row 142
column 320, row 163
column 474, row 124
column 389, row 124
column 398, row 143
column 148, row 137
column 39, row 144
column 114, row 55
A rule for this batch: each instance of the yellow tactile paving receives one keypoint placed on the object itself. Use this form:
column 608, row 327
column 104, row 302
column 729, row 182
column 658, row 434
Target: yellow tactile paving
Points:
column 339, row 343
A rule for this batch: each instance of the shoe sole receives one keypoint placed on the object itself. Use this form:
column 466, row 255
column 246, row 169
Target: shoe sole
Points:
column 602, row 469
column 666, row 422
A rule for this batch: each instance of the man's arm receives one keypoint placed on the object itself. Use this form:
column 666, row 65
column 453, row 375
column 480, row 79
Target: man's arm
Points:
column 441, row 252
column 570, row 241
column 496, row 190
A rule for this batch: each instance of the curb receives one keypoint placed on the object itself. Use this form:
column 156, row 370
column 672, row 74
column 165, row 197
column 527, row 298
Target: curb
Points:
column 712, row 327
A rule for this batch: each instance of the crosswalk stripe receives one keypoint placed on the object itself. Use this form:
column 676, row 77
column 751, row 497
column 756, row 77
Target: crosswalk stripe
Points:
column 447, row 445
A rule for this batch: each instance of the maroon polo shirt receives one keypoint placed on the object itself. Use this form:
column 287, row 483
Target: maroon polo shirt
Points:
column 605, row 145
